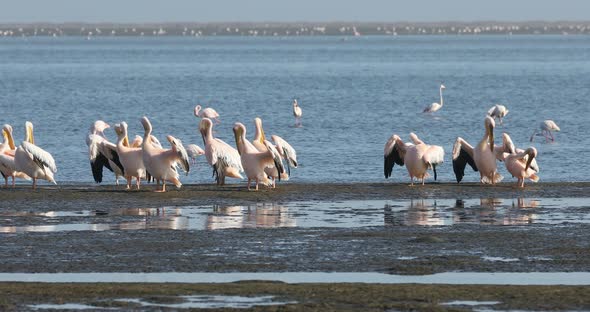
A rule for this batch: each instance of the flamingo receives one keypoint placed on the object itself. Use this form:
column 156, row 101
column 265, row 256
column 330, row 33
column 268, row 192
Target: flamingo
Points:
column 546, row 127
column 98, row 159
column 498, row 111
column 297, row 112
column 417, row 157
column 224, row 159
column 130, row 157
column 7, row 152
column 194, row 151
column 33, row 160
column 261, row 145
column 482, row 158
column 520, row 163
column 435, row 106
column 207, row 113
column 256, row 162
column 161, row 163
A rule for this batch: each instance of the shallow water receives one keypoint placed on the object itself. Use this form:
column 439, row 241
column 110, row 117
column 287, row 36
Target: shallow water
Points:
column 455, row 278
column 354, row 95
column 342, row 214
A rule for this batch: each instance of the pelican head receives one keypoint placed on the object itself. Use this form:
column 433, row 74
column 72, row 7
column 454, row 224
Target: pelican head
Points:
column 99, row 126
column 197, row 110
column 532, row 153
column 258, row 125
column 239, row 133
column 490, row 124
column 205, row 125
column 29, row 137
column 7, row 133
column 119, row 130
column 147, row 126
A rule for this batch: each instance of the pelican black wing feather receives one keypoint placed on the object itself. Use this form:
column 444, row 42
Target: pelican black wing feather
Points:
column 99, row 162
column 390, row 160
column 460, row 163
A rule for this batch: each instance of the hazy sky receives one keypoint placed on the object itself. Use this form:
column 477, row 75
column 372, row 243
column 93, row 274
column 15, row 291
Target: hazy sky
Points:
column 290, row 10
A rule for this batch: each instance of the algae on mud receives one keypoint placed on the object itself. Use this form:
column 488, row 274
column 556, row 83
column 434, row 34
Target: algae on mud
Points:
column 304, row 297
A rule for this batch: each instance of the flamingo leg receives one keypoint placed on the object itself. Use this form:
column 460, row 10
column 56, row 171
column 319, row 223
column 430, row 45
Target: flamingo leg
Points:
column 552, row 138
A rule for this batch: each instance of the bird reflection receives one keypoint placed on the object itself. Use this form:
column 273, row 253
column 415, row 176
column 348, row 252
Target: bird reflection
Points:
column 252, row 216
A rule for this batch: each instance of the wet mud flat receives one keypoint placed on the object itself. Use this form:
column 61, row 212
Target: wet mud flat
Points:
column 268, row 296
column 386, row 228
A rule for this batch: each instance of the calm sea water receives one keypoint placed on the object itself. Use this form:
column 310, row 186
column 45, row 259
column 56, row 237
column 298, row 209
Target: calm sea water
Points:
column 355, row 92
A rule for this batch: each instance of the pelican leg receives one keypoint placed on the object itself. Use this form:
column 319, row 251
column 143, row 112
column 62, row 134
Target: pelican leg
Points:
column 128, row 182
column 249, row 180
column 6, row 181
column 163, row 186
column 274, row 182
column 257, row 184
column 412, row 179
column 12, row 181
column 34, row 183
column 423, row 181
column 137, row 182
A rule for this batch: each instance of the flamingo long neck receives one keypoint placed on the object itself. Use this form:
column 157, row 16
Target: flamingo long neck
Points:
column 198, row 111
column 441, row 97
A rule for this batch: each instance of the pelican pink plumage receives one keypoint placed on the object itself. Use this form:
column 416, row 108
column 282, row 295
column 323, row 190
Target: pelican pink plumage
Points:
column 546, row 127
column 417, row 157
column 297, row 113
column 33, row 160
column 7, row 162
column 481, row 158
column 207, row 113
column 130, row 157
column 262, row 144
column 435, row 106
column 520, row 163
column 224, row 159
column 256, row 162
column 161, row 163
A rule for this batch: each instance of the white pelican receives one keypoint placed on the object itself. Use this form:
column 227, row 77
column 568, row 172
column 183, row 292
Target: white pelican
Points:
column 546, row 127
column 194, row 151
column 130, row 157
column 498, row 111
column 297, row 112
column 254, row 161
column 161, row 163
column 286, row 151
column 482, row 158
column 435, row 106
column 224, row 159
column 33, row 160
column 261, row 144
column 520, row 163
column 417, row 157
column 102, row 153
column 207, row 113
column 7, row 151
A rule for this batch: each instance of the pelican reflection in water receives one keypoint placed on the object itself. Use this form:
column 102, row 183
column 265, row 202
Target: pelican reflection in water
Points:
column 254, row 216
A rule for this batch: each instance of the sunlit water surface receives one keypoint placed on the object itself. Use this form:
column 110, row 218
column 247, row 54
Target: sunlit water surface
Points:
column 354, row 93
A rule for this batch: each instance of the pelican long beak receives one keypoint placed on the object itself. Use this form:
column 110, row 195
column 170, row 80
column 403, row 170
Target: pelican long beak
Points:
column 491, row 137
column 532, row 152
column 126, row 141
column 29, row 133
column 9, row 138
column 238, row 137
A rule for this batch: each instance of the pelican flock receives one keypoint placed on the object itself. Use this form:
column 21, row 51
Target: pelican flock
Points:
column 260, row 160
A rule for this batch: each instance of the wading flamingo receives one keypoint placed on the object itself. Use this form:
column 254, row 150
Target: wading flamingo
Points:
column 435, row 106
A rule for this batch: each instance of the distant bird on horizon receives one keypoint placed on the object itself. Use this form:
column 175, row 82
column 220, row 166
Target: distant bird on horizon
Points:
column 498, row 112
column 546, row 127
column 207, row 113
column 435, row 106
column 297, row 112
